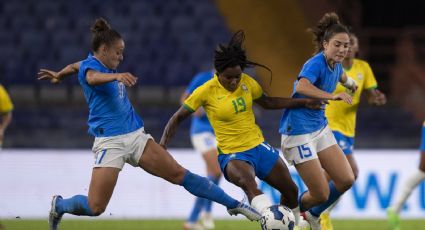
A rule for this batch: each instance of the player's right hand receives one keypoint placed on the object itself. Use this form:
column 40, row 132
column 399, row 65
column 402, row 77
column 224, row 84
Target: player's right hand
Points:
column 343, row 96
column 126, row 78
column 315, row 103
column 45, row 74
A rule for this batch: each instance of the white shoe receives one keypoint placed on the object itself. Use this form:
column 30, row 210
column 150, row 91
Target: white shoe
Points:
column 207, row 221
column 313, row 221
column 303, row 224
column 54, row 217
column 192, row 226
column 246, row 210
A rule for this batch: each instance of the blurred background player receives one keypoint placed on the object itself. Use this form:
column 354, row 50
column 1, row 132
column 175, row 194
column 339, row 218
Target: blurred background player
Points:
column 203, row 140
column 120, row 137
column 6, row 108
column 342, row 116
column 243, row 153
column 393, row 212
column 307, row 141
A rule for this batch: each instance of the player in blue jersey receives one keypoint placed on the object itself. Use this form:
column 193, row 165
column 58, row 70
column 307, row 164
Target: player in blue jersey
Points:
column 307, row 141
column 204, row 142
column 120, row 137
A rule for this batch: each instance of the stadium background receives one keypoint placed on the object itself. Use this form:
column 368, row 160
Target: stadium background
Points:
column 168, row 41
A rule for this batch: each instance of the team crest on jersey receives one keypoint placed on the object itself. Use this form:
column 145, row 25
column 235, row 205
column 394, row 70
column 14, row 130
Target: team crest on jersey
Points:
column 244, row 88
column 360, row 76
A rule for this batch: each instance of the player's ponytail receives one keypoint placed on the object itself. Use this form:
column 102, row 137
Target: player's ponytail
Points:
column 233, row 54
column 102, row 33
column 325, row 29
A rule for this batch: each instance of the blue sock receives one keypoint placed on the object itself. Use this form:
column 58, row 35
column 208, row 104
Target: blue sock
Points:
column 77, row 205
column 208, row 203
column 302, row 209
column 202, row 187
column 196, row 210
column 333, row 196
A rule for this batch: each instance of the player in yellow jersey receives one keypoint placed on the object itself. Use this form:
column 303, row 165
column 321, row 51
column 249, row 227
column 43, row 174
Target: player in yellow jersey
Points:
column 243, row 154
column 342, row 116
column 6, row 108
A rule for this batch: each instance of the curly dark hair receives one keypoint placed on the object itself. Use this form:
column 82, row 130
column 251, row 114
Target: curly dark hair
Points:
column 233, row 54
column 325, row 29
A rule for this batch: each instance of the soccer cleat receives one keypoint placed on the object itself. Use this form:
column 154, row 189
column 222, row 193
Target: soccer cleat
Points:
column 192, row 226
column 54, row 217
column 325, row 221
column 245, row 210
column 393, row 219
column 302, row 225
column 312, row 220
column 207, row 221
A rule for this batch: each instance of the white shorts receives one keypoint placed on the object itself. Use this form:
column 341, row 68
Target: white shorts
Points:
column 301, row 148
column 117, row 150
column 203, row 142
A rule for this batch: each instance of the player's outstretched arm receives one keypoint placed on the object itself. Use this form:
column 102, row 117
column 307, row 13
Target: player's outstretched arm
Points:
column 182, row 114
column 305, row 88
column 98, row 78
column 376, row 97
column 267, row 102
column 57, row 77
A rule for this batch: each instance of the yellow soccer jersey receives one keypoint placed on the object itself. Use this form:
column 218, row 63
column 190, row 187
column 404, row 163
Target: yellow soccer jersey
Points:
column 230, row 113
column 342, row 116
column 5, row 102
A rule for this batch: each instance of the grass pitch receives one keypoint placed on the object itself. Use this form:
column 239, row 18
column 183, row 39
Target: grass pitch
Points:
column 94, row 224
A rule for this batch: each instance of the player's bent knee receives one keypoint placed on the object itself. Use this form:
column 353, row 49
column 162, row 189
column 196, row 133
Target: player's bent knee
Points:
column 345, row 184
column 97, row 210
column 176, row 176
column 246, row 184
column 320, row 196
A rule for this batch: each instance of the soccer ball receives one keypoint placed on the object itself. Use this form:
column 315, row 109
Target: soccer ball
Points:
column 277, row 217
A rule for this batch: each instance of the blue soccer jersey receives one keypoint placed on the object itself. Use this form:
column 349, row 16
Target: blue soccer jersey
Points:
column 110, row 111
column 299, row 121
column 200, row 124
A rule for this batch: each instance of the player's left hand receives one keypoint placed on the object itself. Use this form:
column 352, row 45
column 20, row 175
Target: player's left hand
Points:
column 45, row 74
column 378, row 98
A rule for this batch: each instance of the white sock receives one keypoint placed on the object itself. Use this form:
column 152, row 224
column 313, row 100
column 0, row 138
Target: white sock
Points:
column 296, row 212
column 261, row 203
column 408, row 187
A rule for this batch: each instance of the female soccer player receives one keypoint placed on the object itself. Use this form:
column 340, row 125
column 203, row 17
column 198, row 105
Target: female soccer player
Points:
column 393, row 212
column 307, row 141
column 203, row 140
column 6, row 108
column 120, row 137
column 342, row 116
column 243, row 154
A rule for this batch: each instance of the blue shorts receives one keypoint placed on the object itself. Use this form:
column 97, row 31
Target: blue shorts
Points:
column 344, row 142
column 262, row 158
column 423, row 139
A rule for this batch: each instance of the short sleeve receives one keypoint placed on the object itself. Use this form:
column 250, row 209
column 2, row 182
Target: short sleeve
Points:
column 5, row 102
column 87, row 65
column 196, row 99
column 256, row 90
column 310, row 71
column 370, row 80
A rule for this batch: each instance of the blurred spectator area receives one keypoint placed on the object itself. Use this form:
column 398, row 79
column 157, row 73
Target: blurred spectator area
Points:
column 168, row 41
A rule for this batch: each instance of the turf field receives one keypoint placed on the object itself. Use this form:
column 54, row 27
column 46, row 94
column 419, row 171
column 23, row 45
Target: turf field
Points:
column 177, row 224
